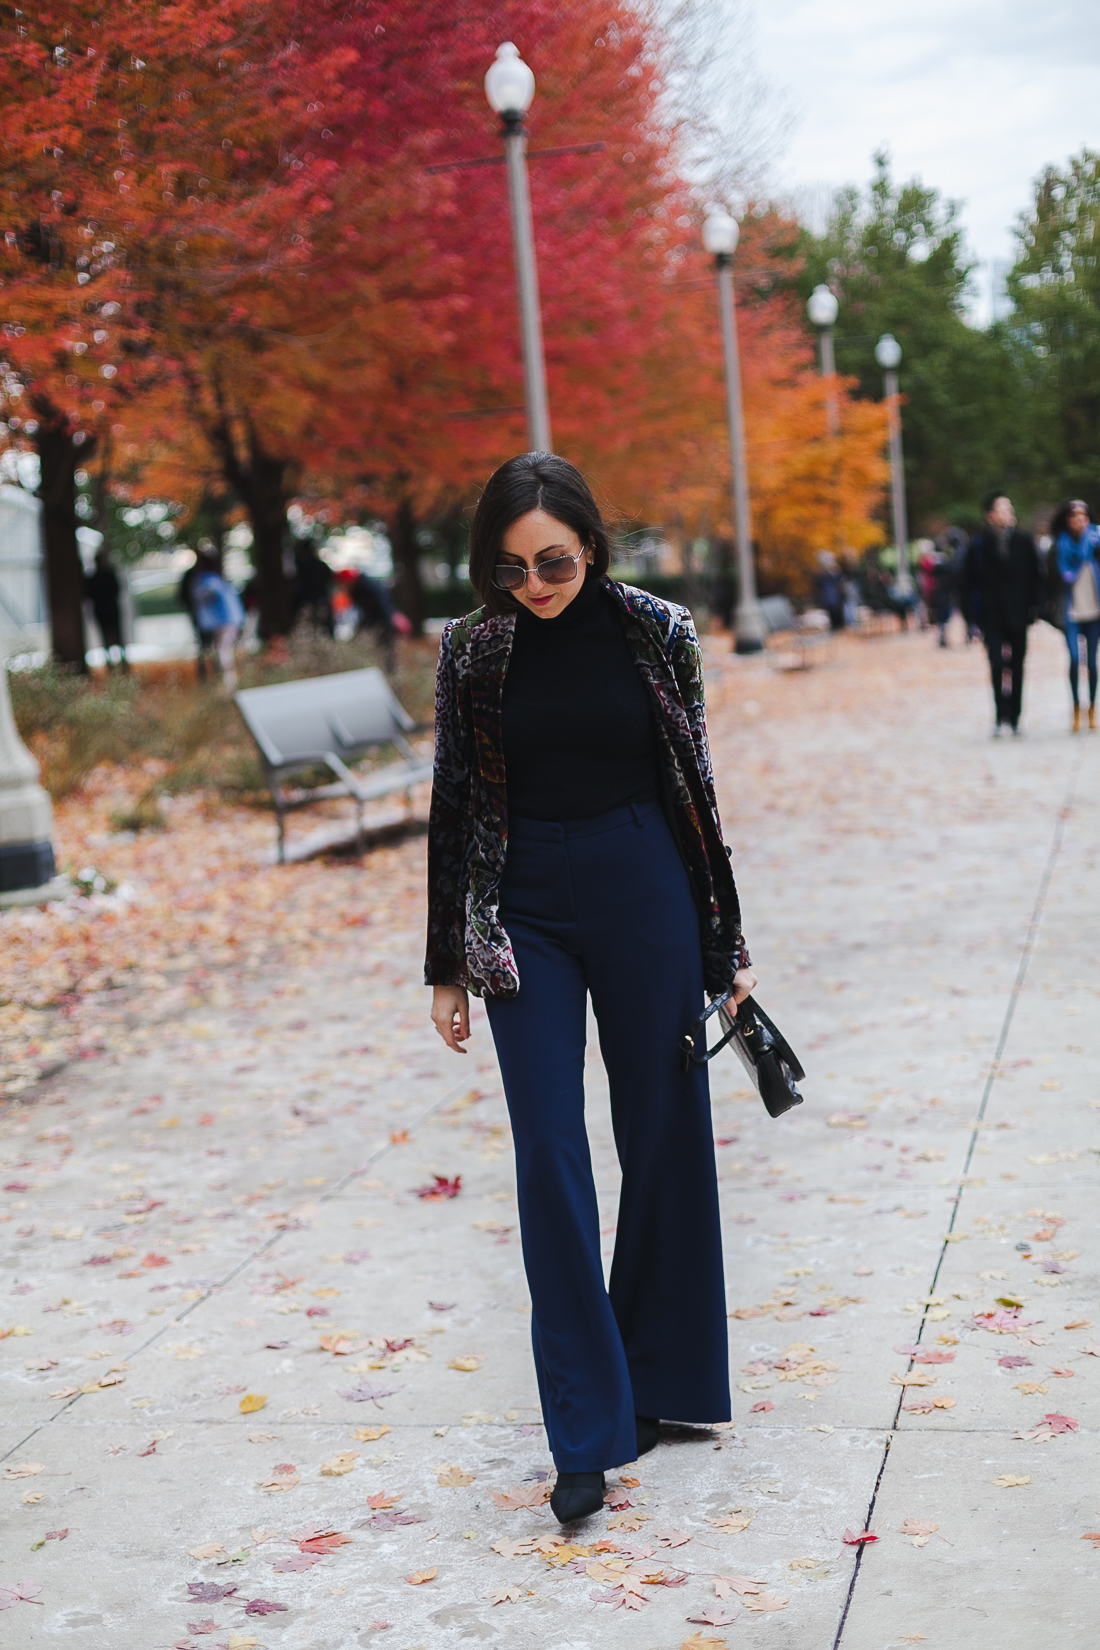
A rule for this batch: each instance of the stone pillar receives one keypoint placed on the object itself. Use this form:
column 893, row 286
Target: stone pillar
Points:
column 26, row 817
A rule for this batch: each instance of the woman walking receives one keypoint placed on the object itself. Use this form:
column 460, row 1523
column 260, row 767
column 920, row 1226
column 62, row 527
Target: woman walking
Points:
column 575, row 849
column 1077, row 546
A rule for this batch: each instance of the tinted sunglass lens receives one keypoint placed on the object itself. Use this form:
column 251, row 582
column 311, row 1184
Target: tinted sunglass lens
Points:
column 506, row 577
column 561, row 570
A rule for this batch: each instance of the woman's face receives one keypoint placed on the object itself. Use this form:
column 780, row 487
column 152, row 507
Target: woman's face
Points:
column 1078, row 520
column 533, row 540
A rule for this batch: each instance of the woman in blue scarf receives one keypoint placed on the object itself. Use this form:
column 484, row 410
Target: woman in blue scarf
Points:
column 1077, row 545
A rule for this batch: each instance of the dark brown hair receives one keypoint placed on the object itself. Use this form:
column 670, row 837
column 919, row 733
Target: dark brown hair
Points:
column 532, row 481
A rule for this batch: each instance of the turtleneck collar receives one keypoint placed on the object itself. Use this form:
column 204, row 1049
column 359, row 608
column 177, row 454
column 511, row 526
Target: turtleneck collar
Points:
column 580, row 608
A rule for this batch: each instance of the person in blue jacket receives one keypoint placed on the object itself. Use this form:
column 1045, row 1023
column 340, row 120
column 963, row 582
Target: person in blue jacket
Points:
column 218, row 613
column 1077, row 546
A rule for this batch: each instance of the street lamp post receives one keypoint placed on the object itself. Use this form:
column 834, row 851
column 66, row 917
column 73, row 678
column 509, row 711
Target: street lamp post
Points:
column 822, row 309
column 720, row 237
column 510, row 87
column 888, row 356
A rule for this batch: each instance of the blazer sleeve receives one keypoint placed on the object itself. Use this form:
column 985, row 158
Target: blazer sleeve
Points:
column 687, row 666
column 449, row 826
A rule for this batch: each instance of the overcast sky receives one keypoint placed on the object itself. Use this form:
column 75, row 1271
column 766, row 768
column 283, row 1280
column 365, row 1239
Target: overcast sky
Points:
column 974, row 97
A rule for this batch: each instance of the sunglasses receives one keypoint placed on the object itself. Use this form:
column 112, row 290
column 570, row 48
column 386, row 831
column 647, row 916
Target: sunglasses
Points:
column 558, row 570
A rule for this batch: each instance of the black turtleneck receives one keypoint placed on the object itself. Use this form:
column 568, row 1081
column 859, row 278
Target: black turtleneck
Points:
column 578, row 729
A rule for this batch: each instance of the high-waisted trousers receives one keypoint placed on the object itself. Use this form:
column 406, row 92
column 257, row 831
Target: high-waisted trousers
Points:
column 603, row 906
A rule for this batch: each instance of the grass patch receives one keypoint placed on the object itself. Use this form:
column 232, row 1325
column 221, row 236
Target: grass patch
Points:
column 186, row 735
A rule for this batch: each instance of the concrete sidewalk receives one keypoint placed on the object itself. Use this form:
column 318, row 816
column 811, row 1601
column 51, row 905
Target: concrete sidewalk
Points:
column 911, row 1256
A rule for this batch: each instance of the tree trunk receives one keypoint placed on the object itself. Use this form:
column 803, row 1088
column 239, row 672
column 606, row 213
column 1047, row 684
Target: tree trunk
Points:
column 64, row 569
column 408, row 591
column 261, row 482
column 266, row 500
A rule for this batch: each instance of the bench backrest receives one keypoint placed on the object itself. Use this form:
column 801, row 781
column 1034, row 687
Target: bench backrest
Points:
column 296, row 723
column 777, row 614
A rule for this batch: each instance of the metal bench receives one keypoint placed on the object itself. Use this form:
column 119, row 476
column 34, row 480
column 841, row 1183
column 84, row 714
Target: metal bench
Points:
column 329, row 721
column 790, row 642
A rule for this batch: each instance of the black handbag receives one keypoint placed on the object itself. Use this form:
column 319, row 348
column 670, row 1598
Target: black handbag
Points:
column 773, row 1067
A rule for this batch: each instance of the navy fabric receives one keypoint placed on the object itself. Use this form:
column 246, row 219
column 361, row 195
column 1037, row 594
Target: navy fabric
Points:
column 603, row 906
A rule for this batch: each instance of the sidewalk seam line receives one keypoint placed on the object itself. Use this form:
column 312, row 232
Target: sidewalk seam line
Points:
column 264, row 1249
column 1006, row 1025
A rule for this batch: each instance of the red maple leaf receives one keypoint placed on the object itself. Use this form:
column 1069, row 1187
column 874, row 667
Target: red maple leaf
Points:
column 853, row 1538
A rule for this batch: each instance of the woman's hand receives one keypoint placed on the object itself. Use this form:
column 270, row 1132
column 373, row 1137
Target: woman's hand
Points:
column 451, row 1014
column 744, row 982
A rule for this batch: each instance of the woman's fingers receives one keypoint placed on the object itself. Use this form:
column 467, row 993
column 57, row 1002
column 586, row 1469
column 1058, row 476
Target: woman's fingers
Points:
column 744, row 983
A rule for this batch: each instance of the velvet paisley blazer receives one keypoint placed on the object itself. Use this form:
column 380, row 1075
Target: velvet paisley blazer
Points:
column 468, row 823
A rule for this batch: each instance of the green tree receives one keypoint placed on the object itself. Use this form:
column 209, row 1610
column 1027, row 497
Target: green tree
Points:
column 895, row 258
column 1054, row 333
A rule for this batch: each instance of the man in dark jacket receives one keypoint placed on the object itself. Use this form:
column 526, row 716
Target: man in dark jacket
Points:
column 1002, row 587
column 103, row 590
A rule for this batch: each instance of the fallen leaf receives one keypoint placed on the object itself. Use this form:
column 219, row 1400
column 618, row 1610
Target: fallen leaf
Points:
column 208, row 1592
column 698, row 1642
column 282, row 1481
column 18, row 1592
column 384, row 1498
column 1093, row 1536
column 762, row 1407
column 671, row 1538
column 263, row 1607
column 805, row 1563
column 714, row 1618
column 742, row 1585
column 450, row 1477
column 439, row 1189
column 368, row 1435
column 24, row 1469
column 295, row 1562
column 764, row 1601
column 500, row 1595
column 523, row 1495
column 731, row 1523
column 1030, row 1387
column 262, row 1437
column 252, row 1402
column 943, row 1402
column 241, row 1641
column 467, row 1365
column 368, row 1392
column 853, row 1538
column 209, row 1549
column 1010, row 1481
column 419, row 1577
column 514, row 1549
column 327, row 1543
column 918, row 1526
column 337, row 1465
column 915, row 1377
column 630, row 1521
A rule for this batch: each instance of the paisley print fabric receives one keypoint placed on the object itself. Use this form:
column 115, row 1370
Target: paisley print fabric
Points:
column 468, row 824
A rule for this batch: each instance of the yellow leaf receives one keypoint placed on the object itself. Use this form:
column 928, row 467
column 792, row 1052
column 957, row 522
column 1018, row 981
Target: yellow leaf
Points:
column 337, row 1465
column 449, row 1477
column 1009, row 1480
column 251, row 1402
column 168, row 1122
column 731, row 1523
column 209, row 1549
column 282, row 1481
column 24, row 1469
column 467, row 1365
column 419, row 1577
column 242, row 1641
column 367, row 1435
column 30, row 1498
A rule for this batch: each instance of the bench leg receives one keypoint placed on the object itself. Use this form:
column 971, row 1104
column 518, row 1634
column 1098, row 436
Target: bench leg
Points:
column 280, row 816
column 360, row 840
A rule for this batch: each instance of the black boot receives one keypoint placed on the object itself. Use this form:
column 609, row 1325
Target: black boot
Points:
column 577, row 1495
column 649, row 1433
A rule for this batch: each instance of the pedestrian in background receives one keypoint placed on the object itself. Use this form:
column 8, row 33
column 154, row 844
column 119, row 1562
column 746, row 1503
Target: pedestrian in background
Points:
column 827, row 588
column 219, row 615
column 1002, row 580
column 574, row 847
column 104, row 591
column 1077, row 546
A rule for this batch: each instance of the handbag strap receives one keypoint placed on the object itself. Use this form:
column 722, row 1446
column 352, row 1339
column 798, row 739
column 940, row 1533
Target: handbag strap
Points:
column 687, row 1041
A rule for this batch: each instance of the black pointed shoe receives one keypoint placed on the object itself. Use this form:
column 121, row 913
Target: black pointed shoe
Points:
column 649, row 1433
column 577, row 1495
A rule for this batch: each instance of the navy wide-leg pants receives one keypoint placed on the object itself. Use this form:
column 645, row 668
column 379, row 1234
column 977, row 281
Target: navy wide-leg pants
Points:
column 603, row 906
